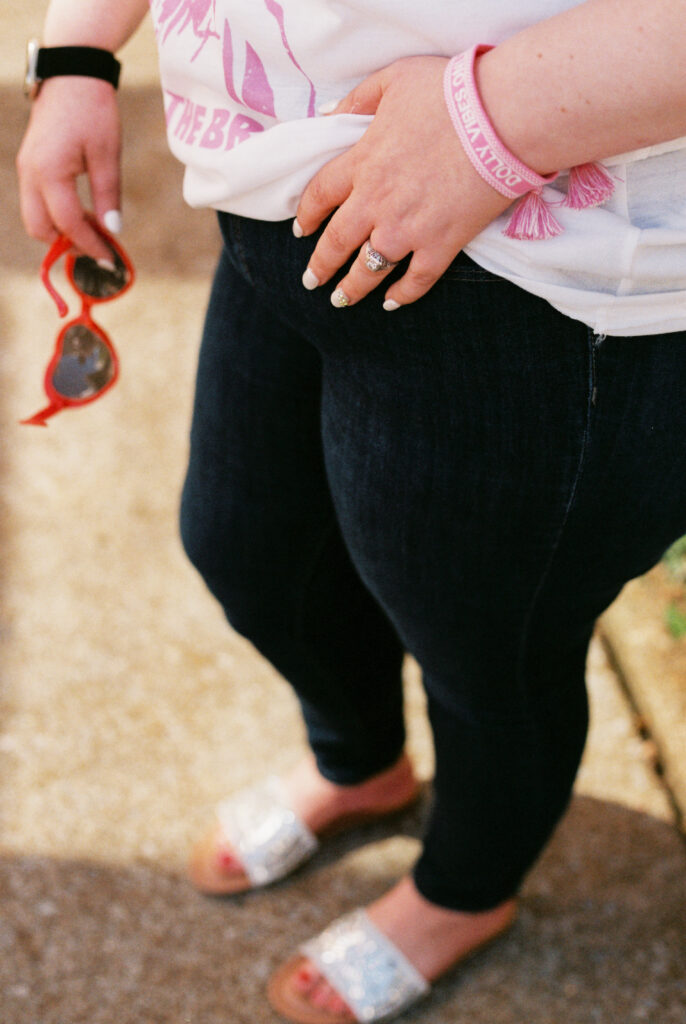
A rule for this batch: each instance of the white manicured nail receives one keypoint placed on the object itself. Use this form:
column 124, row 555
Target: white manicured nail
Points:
column 327, row 108
column 297, row 230
column 339, row 299
column 310, row 280
column 391, row 304
column 106, row 265
column 112, row 221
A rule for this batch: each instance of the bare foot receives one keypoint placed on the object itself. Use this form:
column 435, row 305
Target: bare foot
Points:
column 323, row 806
column 432, row 938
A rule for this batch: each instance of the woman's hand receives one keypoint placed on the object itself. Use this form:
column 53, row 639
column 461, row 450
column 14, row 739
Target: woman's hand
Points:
column 407, row 185
column 73, row 130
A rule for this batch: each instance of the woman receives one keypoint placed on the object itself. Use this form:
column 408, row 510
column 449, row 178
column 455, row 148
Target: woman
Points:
column 506, row 445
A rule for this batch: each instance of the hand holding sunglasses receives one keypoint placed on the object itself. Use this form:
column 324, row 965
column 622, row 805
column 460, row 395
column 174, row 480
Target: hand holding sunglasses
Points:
column 84, row 364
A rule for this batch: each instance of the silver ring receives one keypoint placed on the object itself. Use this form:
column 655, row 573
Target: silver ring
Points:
column 376, row 261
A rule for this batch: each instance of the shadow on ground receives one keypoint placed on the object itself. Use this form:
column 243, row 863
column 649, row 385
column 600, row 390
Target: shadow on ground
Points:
column 601, row 935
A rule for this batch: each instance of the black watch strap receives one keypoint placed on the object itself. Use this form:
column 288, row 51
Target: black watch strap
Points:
column 77, row 60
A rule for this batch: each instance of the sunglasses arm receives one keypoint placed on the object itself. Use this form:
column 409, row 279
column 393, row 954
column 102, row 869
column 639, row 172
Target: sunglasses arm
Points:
column 57, row 249
column 39, row 418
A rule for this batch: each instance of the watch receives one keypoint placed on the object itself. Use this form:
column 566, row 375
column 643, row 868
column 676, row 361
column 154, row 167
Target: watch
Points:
column 48, row 62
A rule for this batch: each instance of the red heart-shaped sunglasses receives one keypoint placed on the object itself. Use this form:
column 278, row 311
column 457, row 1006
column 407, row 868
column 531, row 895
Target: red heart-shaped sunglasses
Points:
column 84, row 364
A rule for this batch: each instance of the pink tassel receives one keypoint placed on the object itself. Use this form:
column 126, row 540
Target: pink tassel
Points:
column 589, row 185
column 531, row 219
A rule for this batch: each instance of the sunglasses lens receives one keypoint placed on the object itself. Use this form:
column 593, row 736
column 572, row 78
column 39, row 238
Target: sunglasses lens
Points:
column 85, row 366
column 97, row 282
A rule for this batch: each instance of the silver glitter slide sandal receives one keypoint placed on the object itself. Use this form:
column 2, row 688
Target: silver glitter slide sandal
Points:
column 375, row 980
column 258, row 839
column 268, row 837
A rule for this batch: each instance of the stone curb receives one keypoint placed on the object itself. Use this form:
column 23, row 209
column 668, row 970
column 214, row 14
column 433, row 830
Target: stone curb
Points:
column 651, row 665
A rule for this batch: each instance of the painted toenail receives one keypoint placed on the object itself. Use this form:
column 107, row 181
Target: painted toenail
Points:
column 304, row 978
column 226, row 859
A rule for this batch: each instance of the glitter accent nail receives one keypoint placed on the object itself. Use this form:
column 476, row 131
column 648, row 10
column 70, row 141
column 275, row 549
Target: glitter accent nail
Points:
column 339, row 299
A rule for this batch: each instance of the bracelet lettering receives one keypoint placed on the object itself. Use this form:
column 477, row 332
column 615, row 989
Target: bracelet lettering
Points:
column 531, row 219
column 490, row 157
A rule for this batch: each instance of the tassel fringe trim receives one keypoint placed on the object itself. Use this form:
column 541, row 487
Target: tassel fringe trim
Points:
column 589, row 185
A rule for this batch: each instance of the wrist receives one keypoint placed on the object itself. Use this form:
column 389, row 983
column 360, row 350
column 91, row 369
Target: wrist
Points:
column 500, row 168
column 47, row 62
column 518, row 125
column 491, row 158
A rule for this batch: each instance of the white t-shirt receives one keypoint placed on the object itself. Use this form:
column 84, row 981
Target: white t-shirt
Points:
column 243, row 81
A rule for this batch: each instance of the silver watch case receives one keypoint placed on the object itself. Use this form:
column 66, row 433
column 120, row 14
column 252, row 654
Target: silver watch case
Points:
column 32, row 82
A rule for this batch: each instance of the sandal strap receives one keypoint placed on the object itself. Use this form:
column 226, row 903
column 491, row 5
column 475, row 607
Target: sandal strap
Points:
column 366, row 969
column 269, row 838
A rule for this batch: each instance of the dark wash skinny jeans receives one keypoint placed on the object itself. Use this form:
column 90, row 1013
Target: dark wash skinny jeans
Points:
column 471, row 479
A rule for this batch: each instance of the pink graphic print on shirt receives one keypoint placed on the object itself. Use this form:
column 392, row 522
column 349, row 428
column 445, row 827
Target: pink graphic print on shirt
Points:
column 199, row 16
column 257, row 93
column 277, row 11
column 180, row 14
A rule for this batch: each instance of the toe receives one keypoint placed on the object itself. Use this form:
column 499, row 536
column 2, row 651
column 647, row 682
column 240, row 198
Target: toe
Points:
column 299, row 992
column 214, row 867
column 320, row 994
column 304, row 978
column 227, row 861
column 337, row 1004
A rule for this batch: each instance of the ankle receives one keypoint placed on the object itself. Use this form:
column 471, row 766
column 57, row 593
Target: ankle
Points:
column 435, row 938
column 319, row 802
column 395, row 784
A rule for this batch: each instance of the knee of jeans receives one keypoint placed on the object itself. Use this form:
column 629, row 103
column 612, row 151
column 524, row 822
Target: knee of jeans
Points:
column 230, row 565
column 198, row 535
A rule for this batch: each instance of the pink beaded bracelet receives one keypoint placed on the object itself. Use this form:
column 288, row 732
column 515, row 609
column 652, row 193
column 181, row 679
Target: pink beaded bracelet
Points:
column 589, row 184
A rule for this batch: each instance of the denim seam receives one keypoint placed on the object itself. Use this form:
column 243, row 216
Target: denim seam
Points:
column 590, row 402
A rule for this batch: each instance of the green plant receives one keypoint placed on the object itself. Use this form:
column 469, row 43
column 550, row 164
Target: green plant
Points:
column 675, row 620
column 675, row 612
column 675, row 559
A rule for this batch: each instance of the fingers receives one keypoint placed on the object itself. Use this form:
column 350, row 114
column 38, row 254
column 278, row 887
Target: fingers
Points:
column 327, row 190
column 365, row 97
column 55, row 209
column 344, row 233
column 105, row 185
column 65, row 209
column 406, row 184
column 378, row 254
column 35, row 215
column 370, row 268
column 425, row 268
column 73, row 130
